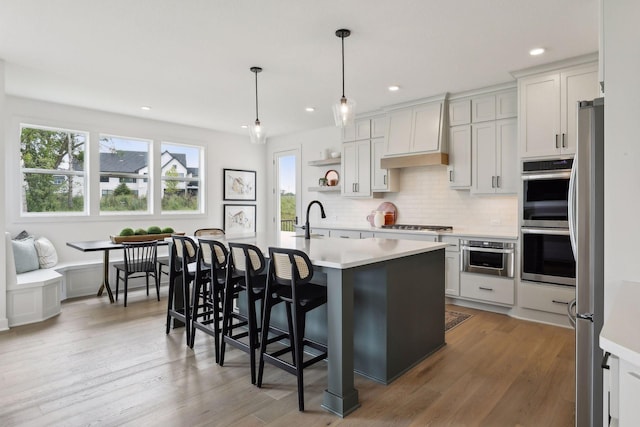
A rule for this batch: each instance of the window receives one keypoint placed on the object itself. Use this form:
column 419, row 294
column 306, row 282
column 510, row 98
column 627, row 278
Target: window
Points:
column 52, row 169
column 127, row 160
column 180, row 171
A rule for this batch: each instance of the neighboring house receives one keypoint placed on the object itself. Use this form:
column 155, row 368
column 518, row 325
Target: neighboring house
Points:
column 115, row 166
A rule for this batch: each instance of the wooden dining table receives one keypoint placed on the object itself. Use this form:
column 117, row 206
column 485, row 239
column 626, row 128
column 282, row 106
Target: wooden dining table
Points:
column 105, row 246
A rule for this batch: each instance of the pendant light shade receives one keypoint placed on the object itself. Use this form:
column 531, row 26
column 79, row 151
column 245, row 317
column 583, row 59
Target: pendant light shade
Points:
column 256, row 131
column 344, row 110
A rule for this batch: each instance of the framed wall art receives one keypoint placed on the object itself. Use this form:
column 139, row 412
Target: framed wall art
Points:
column 239, row 184
column 239, row 219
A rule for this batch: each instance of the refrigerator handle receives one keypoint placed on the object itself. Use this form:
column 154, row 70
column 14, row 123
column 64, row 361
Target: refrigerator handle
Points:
column 605, row 360
column 572, row 207
column 571, row 310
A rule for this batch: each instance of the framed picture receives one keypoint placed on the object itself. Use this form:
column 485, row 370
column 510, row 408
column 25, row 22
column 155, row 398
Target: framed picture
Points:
column 239, row 184
column 239, row 219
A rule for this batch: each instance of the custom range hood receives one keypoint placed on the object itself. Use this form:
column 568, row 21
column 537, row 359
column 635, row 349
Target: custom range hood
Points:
column 417, row 134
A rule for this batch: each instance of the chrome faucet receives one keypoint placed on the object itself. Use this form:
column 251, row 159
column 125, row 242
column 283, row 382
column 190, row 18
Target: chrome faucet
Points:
column 307, row 234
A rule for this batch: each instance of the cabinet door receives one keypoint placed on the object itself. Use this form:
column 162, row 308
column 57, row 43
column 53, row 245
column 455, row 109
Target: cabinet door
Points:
column 577, row 85
column 484, row 158
column 460, row 156
column 507, row 105
column 629, row 394
column 349, row 133
column 399, row 132
column 540, row 115
column 460, row 112
column 452, row 273
column 363, row 129
column 379, row 127
column 349, row 168
column 426, row 127
column 483, row 109
column 378, row 176
column 363, row 187
column 508, row 175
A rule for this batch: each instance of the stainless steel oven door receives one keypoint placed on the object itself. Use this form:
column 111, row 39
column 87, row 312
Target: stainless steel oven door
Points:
column 491, row 261
column 545, row 199
column 547, row 256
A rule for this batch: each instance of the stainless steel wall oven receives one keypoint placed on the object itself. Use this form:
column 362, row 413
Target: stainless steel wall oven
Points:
column 546, row 252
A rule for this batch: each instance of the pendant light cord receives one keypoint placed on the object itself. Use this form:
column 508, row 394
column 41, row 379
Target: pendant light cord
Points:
column 256, row 74
column 342, row 38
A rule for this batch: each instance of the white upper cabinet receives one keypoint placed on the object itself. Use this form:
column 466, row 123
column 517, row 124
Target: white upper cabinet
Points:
column 459, row 169
column 379, row 127
column 483, row 109
column 358, row 131
column 501, row 105
column 356, row 169
column 495, row 157
column 548, row 109
column 382, row 180
column 417, row 129
column 460, row 112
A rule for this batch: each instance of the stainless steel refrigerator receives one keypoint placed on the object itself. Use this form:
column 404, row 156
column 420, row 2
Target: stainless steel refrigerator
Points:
column 586, row 226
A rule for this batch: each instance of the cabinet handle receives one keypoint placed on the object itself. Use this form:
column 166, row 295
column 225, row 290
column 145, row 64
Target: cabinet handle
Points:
column 485, row 289
column 559, row 302
column 605, row 361
column 493, row 182
column 451, row 176
column 557, row 146
column 384, row 179
column 357, row 187
column 563, row 143
column 498, row 181
column 344, row 237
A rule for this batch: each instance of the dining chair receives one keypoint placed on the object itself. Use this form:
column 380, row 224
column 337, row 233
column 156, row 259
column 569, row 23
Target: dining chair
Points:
column 247, row 263
column 183, row 253
column 139, row 261
column 208, row 291
column 209, row 232
column 289, row 281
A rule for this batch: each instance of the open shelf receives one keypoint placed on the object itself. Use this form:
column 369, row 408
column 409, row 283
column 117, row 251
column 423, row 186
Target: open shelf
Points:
column 326, row 189
column 325, row 162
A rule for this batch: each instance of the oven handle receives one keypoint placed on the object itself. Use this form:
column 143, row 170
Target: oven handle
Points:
column 552, row 175
column 490, row 250
column 550, row 231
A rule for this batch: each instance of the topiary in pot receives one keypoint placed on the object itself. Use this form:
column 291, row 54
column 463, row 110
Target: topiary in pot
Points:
column 127, row 232
column 154, row 229
column 140, row 232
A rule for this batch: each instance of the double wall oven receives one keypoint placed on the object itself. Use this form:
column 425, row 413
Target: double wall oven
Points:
column 546, row 245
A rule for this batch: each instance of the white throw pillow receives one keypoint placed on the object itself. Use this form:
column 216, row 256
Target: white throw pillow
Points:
column 47, row 255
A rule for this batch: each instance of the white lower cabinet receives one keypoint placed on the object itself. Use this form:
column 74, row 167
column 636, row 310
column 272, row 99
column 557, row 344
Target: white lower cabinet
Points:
column 350, row 234
column 451, row 266
column 406, row 236
column 487, row 288
column 629, row 390
column 550, row 298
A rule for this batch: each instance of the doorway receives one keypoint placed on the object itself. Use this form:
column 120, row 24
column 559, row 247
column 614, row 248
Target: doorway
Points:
column 286, row 190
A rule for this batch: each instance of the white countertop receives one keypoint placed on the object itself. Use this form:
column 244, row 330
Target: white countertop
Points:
column 343, row 253
column 497, row 232
column 620, row 334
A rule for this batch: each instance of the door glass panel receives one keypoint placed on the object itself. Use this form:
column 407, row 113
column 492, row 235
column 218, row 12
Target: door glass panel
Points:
column 286, row 192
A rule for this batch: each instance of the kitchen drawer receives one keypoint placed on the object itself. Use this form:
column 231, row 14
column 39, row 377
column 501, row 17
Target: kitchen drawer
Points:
column 487, row 288
column 319, row 231
column 453, row 243
column 345, row 234
column 407, row 236
column 551, row 298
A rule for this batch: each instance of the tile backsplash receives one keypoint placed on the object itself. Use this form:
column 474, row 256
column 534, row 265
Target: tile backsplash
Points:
column 425, row 198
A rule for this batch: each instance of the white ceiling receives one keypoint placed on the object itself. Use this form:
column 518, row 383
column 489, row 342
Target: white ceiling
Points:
column 190, row 59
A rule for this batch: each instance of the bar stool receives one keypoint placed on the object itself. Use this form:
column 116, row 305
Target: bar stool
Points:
column 183, row 261
column 246, row 262
column 209, row 290
column 289, row 281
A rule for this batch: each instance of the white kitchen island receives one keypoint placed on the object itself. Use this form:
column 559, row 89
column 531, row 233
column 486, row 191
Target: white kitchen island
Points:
column 385, row 308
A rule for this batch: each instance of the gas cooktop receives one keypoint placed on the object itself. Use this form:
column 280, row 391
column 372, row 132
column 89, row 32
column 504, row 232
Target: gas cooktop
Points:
column 419, row 227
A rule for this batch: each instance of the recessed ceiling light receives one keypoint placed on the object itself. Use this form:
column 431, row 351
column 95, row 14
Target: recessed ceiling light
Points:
column 145, row 108
column 309, row 109
column 394, row 88
column 536, row 51
column 244, row 126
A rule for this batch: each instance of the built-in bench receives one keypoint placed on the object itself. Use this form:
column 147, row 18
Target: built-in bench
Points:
column 35, row 295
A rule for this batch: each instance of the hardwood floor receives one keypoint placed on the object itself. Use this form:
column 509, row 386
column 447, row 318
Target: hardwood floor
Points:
column 98, row 363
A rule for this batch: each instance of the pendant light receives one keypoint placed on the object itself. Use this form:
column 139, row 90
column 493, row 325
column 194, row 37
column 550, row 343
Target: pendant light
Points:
column 344, row 110
column 258, row 136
